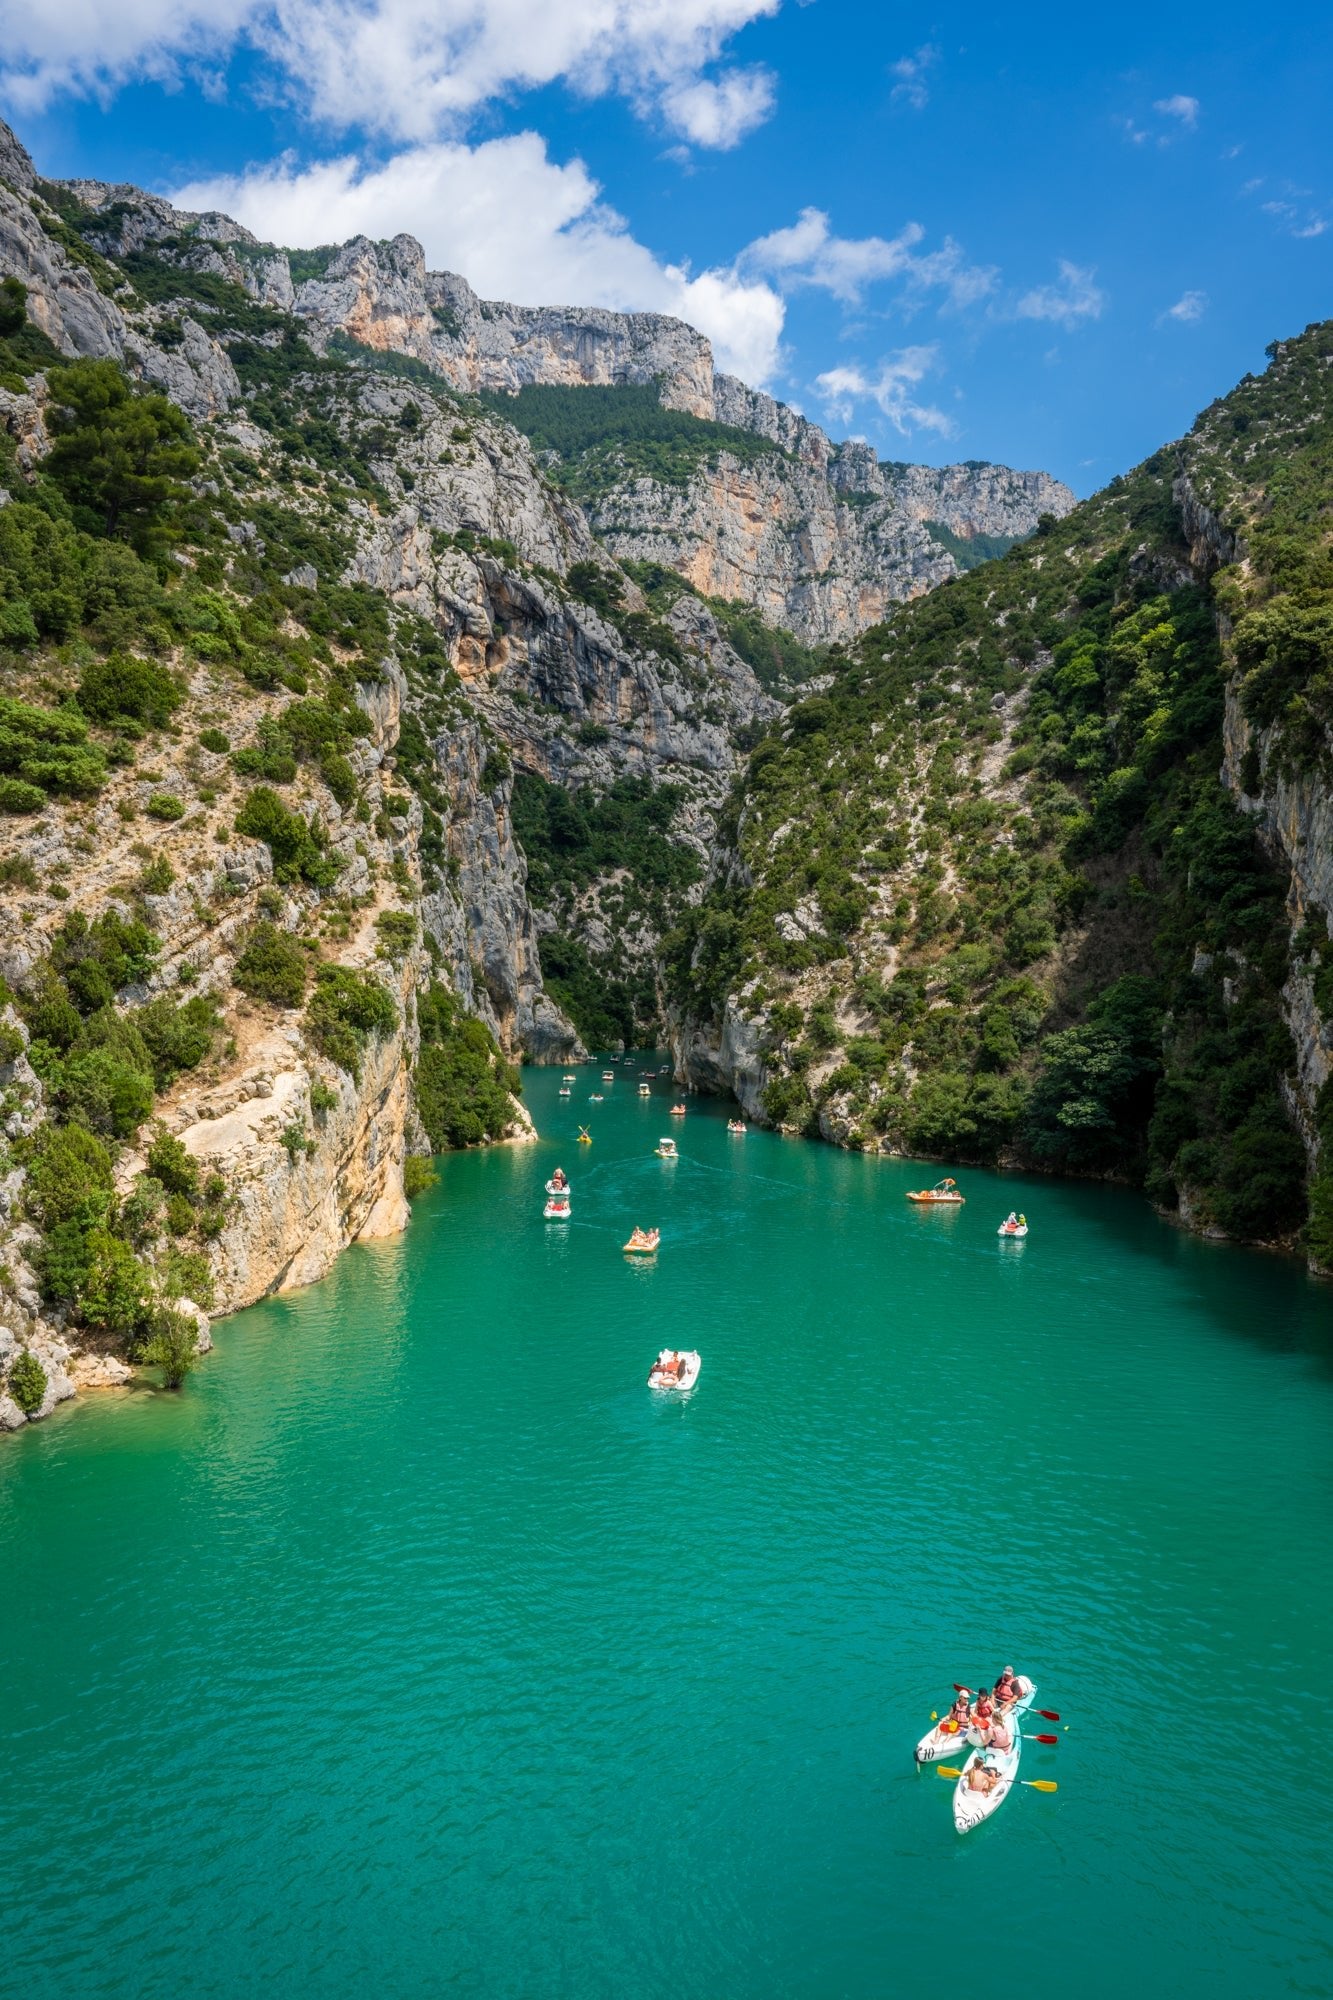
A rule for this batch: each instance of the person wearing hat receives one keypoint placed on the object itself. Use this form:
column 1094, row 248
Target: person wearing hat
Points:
column 1006, row 1688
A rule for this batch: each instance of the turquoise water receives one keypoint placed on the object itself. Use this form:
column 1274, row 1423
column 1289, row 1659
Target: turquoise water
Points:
column 418, row 1648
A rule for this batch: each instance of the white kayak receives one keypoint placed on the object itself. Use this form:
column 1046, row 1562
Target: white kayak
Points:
column 686, row 1379
column 969, row 1807
column 946, row 1739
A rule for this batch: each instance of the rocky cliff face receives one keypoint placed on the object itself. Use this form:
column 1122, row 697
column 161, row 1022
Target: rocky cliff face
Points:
column 355, row 496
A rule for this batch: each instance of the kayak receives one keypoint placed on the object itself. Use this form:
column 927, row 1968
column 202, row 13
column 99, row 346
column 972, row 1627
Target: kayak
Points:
column 942, row 1740
column 969, row 1807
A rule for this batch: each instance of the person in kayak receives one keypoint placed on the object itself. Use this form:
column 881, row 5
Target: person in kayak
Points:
column 983, row 1714
column 1000, row 1736
column 1006, row 1689
column 957, row 1718
column 981, row 1778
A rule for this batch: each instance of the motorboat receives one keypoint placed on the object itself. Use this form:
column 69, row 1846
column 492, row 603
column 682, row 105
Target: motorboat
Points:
column 970, row 1806
column 1013, row 1225
column 643, row 1242
column 944, row 1193
column 673, row 1370
column 666, row 1149
column 738, row 1126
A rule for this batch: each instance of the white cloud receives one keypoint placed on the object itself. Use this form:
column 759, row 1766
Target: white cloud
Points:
column 1186, row 109
column 721, row 114
column 1187, row 308
column 515, row 223
column 409, row 69
column 910, row 72
column 808, row 253
column 1074, row 298
column 891, row 386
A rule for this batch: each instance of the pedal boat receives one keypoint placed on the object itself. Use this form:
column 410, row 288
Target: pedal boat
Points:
column 674, row 1370
column 645, row 1090
column 666, row 1149
column 737, row 1126
column 1017, row 1230
column 642, row 1243
column 944, row 1192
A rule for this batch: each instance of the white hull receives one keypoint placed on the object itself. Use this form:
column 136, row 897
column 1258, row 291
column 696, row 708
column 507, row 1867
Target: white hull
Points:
column 939, row 1742
column 970, row 1808
column 687, row 1381
column 556, row 1211
column 1017, row 1234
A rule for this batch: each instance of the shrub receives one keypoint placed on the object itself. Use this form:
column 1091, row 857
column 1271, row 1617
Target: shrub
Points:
column 11, row 1043
column 118, row 457
column 464, row 1088
column 69, row 1176
column 418, row 1175
column 165, row 805
column 171, row 1345
column 398, row 933
column 47, row 747
column 272, row 967
column 170, row 1162
column 346, row 1009
column 100, row 1090
column 17, row 796
column 123, row 688
column 27, row 1382
column 176, row 1038
column 117, row 1296
column 157, row 877
column 214, row 740
column 294, row 1139
column 322, row 1097
column 295, row 847
column 17, row 872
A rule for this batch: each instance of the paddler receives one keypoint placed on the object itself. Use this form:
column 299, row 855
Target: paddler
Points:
column 957, row 1718
column 1000, row 1737
column 983, row 1714
column 1006, row 1688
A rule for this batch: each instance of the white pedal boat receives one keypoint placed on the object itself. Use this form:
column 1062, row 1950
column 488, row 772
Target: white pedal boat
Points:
column 1014, row 1229
column 557, row 1208
column 674, row 1370
column 969, row 1807
column 645, row 1090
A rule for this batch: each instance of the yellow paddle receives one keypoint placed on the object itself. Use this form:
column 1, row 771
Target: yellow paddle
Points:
column 1037, row 1784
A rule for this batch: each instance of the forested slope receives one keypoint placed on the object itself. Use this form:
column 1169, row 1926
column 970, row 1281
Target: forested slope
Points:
column 1020, row 883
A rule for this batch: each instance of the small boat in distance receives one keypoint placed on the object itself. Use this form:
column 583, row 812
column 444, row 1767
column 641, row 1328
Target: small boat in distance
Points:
column 585, row 1136
column 564, row 1090
column 738, row 1126
column 673, row 1370
column 666, row 1149
column 945, row 1191
column 678, row 1111
column 645, row 1090
column 608, row 1076
column 1013, row 1225
column 595, row 1097
column 642, row 1242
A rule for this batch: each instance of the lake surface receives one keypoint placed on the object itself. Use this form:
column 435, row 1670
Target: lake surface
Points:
column 419, row 1648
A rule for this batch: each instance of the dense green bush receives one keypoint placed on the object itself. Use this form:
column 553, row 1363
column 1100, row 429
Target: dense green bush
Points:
column 118, row 457
column 171, row 1344
column 464, row 1088
column 347, row 1009
column 48, row 748
column 122, row 688
column 165, row 806
column 18, row 797
column 69, row 1177
column 27, row 1382
column 273, row 967
column 297, row 848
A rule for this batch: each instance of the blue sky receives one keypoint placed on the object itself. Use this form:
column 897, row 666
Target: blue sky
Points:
column 1048, row 241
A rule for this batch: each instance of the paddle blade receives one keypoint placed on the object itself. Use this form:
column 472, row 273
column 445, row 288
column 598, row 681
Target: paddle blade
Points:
column 958, row 1688
column 1040, row 1784
column 1047, row 1714
column 934, row 1715
column 1041, row 1739
column 948, row 1771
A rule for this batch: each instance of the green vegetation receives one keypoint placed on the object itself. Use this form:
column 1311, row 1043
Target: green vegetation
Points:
column 605, row 437
column 970, row 550
column 117, row 457
column 347, row 1010
column 1086, row 975
column 27, row 1382
column 273, row 967
column 572, row 838
column 464, row 1087
column 297, row 847
column 780, row 660
column 418, row 1176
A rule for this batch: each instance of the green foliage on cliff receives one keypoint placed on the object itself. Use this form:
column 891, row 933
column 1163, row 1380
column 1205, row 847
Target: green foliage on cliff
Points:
column 606, row 436
column 465, row 1090
column 779, row 659
column 347, row 1011
column 999, row 844
column 572, row 838
column 970, row 550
